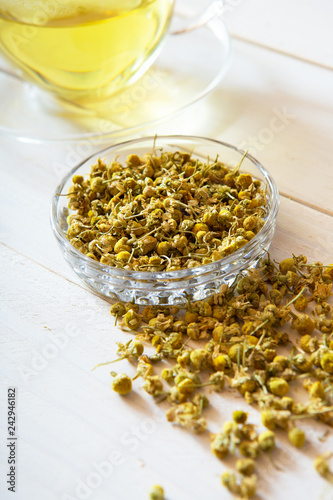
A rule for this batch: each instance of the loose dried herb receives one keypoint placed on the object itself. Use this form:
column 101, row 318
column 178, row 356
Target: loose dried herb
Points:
column 322, row 467
column 122, row 384
column 163, row 211
column 156, row 493
column 247, row 346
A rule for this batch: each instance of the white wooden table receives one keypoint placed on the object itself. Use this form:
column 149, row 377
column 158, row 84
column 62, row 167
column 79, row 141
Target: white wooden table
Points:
column 76, row 438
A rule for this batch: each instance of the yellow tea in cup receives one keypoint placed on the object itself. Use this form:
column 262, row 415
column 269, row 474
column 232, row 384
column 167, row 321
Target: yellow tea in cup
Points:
column 82, row 50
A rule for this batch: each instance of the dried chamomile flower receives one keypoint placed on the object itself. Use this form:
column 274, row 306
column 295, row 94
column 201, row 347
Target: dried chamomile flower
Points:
column 244, row 487
column 309, row 343
column 275, row 418
column 301, row 303
column 239, row 416
column 168, row 375
column 303, row 324
column 322, row 467
column 287, row 265
column 143, row 369
column 245, row 466
column 201, row 401
column 186, row 386
column 131, row 350
column 235, row 353
column 249, row 449
column 278, row 386
column 217, row 381
column 229, row 480
column 322, row 292
column 301, row 363
column 221, row 362
column 326, row 362
column 266, row 440
column 118, row 309
column 248, row 486
column 296, row 437
column 132, row 320
column 174, row 396
column 248, row 432
column 199, row 359
column 122, row 384
column 244, row 384
column 132, row 306
column 316, row 390
column 325, row 325
column 282, row 361
column 187, row 415
column 231, row 428
column 220, row 445
column 153, row 385
column 156, row 492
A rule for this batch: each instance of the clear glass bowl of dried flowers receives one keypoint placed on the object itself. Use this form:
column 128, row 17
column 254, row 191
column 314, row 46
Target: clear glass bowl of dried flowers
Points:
column 160, row 220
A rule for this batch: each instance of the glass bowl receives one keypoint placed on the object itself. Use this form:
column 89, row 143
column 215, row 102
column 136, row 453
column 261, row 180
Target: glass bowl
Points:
column 174, row 286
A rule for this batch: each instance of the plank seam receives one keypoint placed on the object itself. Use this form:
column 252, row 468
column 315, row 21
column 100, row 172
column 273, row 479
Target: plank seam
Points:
column 281, row 52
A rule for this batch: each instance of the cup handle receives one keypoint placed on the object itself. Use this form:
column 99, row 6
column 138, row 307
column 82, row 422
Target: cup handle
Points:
column 214, row 10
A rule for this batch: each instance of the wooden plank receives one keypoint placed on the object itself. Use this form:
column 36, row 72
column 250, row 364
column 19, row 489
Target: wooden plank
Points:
column 281, row 110
column 301, row 28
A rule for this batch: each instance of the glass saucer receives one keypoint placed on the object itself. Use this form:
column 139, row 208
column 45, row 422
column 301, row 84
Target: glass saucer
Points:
column 189, row 66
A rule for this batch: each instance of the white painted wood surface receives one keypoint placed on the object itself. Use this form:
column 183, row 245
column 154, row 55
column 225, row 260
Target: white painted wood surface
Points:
column 301, row 29
column 76, row 438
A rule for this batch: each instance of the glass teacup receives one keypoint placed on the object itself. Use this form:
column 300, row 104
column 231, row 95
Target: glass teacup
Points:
column 83, row 50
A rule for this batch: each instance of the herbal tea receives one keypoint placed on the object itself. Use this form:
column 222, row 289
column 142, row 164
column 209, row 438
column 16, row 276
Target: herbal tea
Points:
column 79, row 50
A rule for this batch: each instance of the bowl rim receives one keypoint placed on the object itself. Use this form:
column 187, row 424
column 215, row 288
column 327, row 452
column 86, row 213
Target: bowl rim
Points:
column 166, row 275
